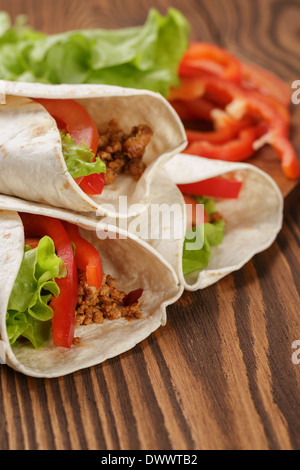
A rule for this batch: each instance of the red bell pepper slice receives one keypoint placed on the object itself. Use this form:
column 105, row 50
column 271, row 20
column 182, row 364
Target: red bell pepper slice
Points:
column 218, row 187
column 86, row 255
column 278, row 135
column 288, row 157
column 72, row 117
column 266, row 83
column 268, row 112
column 199, row 108
column 219, row 136
column 63, row 306
column 235, row 150
column 226, row 129
column 189, row 89
column 209, row 57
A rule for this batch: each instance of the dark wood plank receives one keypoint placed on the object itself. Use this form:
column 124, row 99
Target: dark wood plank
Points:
column 219, row 375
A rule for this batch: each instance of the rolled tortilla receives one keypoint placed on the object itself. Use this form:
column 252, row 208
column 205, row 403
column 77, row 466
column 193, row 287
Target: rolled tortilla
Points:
column 32, row 166
column 253, row 221
column 131, row 261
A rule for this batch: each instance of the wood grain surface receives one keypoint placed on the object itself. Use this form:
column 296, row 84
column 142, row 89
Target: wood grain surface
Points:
column 220, row 374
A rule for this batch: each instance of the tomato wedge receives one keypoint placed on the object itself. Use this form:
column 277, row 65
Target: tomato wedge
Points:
column 63, row 306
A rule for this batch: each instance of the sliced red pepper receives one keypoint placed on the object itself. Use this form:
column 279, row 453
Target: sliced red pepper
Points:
column 263, row 110
column 270, row 112
column 225, row 130
column 209, row 57
column 189, row 89
column 64, row 305
column 266, row 83
column 219, row 136
column 235, row 150
column 213, row 187
column 287, row 155
column 86, row 255
column 199, row 108
column 278, row 135
column 280, row 108
column 73, row 118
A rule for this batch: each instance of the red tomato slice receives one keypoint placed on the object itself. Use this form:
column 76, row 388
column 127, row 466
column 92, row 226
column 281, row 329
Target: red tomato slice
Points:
column 72, row 117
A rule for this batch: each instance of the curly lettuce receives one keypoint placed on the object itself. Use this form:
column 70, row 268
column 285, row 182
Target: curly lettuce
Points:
column 144, row 56
column 29, row 314
column 79, row 159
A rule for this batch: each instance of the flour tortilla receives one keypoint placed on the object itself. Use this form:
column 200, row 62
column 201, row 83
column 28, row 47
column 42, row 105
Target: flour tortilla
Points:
column 253, row 221
column 131, row 261
column 32, row 166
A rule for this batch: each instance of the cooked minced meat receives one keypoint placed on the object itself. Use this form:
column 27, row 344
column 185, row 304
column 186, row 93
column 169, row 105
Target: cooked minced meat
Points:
column 94, row 305
column 121, row 152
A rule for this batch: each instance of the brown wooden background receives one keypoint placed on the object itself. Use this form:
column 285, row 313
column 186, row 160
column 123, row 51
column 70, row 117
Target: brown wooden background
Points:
column 220, row 374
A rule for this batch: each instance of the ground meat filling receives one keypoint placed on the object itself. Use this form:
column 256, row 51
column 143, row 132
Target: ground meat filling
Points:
column 94, row 305
column 123, row 153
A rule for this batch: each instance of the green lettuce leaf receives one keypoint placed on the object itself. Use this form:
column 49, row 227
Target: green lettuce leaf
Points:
column 28, row 313
column 209, row 205
column 207, row 236
column 79, row 158
column 144, row 56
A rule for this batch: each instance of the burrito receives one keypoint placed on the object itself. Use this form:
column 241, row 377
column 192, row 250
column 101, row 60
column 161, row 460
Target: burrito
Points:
column 74, row 292
column 240, row 214
column 83, row 147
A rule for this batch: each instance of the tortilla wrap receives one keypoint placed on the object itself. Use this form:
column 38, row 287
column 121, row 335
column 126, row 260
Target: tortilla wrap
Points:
column 253, row 221
column 32, row 166
column 131, row 261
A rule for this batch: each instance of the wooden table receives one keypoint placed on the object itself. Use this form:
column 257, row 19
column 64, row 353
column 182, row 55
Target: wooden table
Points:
column 220, row 374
